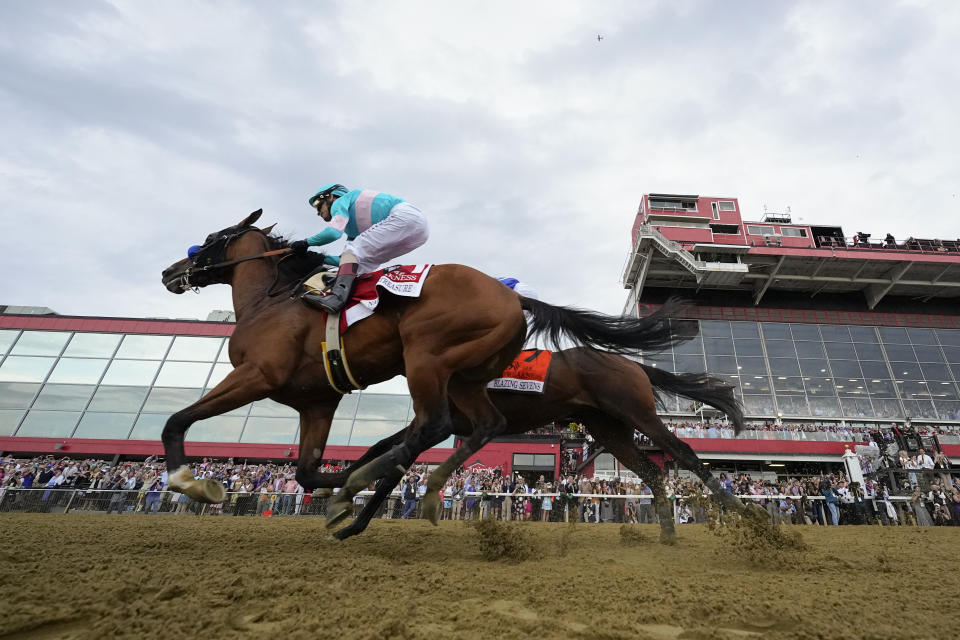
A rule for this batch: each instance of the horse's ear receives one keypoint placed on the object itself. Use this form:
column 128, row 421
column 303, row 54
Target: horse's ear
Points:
column 250, row 219
column 266, row 230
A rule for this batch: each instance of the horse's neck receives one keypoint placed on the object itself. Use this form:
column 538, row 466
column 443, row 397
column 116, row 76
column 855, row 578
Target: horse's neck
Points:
column 251, row 281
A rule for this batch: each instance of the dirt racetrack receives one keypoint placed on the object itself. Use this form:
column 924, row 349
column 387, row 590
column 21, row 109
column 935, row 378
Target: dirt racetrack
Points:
column 80, row 576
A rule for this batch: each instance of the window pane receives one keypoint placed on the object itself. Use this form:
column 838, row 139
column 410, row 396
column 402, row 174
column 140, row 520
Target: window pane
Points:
column 40, row 343
column 523, row 459
column 690, row 364
column 845, row 368
column 746, row 347
column 752, row 365
column 714, row 329
column 131, row 372
column 118, row 399
column 7, row 336
column 840, row 350
column 149, row 426
column 868, row 351
column 874, row 369
column 721, row 364
column 220, row 371
column 864, row 334
column 216, row 429
column 824, row 407
column 834, row 333
column 881, row 388
column 820, row 386
column 781, row 349
column 224, row 355
column 49, row 424
column 850, row 387
column 793, row 405
column 689, row 347
column 949, row 337
column 183, row 374
column 664, row 361
column 78, row 370
column 544, row 460
column 856, row 408
column 814, row 368
column 754, row 384
column 144, row 347
column 93, row 345
column 758, row 405
column 339, row 432
column 776, row 331
column 922, row 336
column 926, row 353
column 718, row 346
column 943, row 391
column 22, row 369
column 347, row 408
column 784, row 367
column 105, row 425
column 275, row 430
column 907, row 370
column 902, row 352
column 811, row 350
column 887, row 408
column 270, row 408
column 805, row 331
column 194, row 348
column 170, row 400
column 893, row 335
column 17, row 395
column 64, row 396
column 947, row 410
column 914, row 389
column 934, row 371
column 383, row 407
column 9, row 419
column 745, row 329
column 788, row 384
column 368, row 432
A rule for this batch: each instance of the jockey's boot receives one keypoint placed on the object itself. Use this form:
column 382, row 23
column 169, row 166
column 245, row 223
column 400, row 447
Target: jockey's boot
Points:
column 339, row 292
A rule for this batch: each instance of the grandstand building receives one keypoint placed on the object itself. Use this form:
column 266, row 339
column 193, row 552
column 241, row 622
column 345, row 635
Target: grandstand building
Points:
column 813, row 326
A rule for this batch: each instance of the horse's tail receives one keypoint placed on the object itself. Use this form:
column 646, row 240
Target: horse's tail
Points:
column 700, row 387
column 616, row 334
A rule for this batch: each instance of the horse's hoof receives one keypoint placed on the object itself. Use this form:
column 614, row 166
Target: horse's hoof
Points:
column 322, row 493
column 213, row 491
column 343, row 534
column 431, row 507
column 336, row 512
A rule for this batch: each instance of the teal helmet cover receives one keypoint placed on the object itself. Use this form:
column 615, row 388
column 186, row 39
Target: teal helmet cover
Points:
column 336, row 189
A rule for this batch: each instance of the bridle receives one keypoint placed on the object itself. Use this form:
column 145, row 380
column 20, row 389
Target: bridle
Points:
column 195, row 262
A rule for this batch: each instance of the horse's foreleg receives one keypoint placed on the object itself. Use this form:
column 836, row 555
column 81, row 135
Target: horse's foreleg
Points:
column 310, row 478
column 244, row 384
column 383, row 489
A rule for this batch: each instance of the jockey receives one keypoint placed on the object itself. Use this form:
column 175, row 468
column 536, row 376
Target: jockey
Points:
column 378, row 226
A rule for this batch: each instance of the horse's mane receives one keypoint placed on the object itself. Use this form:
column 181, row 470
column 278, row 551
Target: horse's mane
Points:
column 292, row 268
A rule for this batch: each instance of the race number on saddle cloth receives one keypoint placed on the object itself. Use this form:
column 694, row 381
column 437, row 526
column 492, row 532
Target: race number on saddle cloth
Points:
column 527, row 373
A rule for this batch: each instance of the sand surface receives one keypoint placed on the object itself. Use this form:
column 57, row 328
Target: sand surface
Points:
column 89, row 576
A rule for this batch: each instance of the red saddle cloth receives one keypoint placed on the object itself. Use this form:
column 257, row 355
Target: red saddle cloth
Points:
column 401, row 280
column 527, row 374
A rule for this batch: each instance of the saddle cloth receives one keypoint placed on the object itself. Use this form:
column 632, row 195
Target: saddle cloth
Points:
column 527, row 373
column 401, row 280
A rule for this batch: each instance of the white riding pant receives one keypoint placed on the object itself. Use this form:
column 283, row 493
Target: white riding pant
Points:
column 399, row 233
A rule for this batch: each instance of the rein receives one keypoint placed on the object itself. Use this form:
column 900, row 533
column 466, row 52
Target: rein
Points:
column 227, row 263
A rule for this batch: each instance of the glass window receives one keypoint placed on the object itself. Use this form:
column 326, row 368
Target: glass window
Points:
column 745, row 329
column 375, row 406
column 947, row 410
column 781, row 349
column 952, row 354
column 78, row 370
column 270, row 408
column 824, row 407
column 927, row 353
column 40, row 343
column 689, row 347
column 840, row 350
column 922, row 336
column 49, row 424
column 893, row 335
column 835, row 333
column 845, row 368
column 118, row 399
column 690, row 364
column 144, row 347
column 64, row 396
column 544, row 460
column 170, row 400
column 890, row 408
column 814, row 368
column 105, row 425
column 811, row 350
column 758, row 405
column 523, row 460
column 7, row 336
column 902, row 352
column 755, row 384
column 368, row 432
column 714, row 329
column 805, row 331
column 752, row 365
column 943, row 391
column 721, row 364
column 718, row 346
column 746, row 347
column 17, row 395
column 397, row 385
column 856, row 407
column 149, row 426
column 220, row 371
column 915, row 389
column 183, row 374
column 850, row 387
column 93, row 345
column 820, row 386
column 194, row 348
column 935, row 371
column 347, row 408
column 920, row 408
column 131, row 372
column 793, row 405
column 907, row 370
column 784, row 367
column 874, row 369
column 662, row 361
column 776, row 331
column 339, row 432
column 9, row 419
column 881, row 388
column 275, row 430
column 793, row 232
column 949, row 337
column 216, row 429
column 868, row 351
column 24, row 369
column 788, row 384
column 864, row 334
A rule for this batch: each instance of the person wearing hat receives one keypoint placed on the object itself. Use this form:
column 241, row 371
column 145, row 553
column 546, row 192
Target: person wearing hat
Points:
column 379, row 227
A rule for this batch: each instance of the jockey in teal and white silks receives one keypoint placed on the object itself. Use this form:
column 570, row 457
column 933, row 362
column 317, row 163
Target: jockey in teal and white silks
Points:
column 379, row 227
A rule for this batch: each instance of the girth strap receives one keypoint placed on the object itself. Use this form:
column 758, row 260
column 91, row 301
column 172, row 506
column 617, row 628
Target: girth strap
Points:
column 335, row 358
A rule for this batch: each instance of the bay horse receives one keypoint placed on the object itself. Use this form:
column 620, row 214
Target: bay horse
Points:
column 463, row 331
column 614, row 397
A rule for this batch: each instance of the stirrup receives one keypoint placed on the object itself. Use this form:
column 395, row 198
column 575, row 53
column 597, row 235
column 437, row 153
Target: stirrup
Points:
column 332, row 302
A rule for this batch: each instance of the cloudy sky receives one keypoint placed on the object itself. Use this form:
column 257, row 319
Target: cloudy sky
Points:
column 130, row 130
